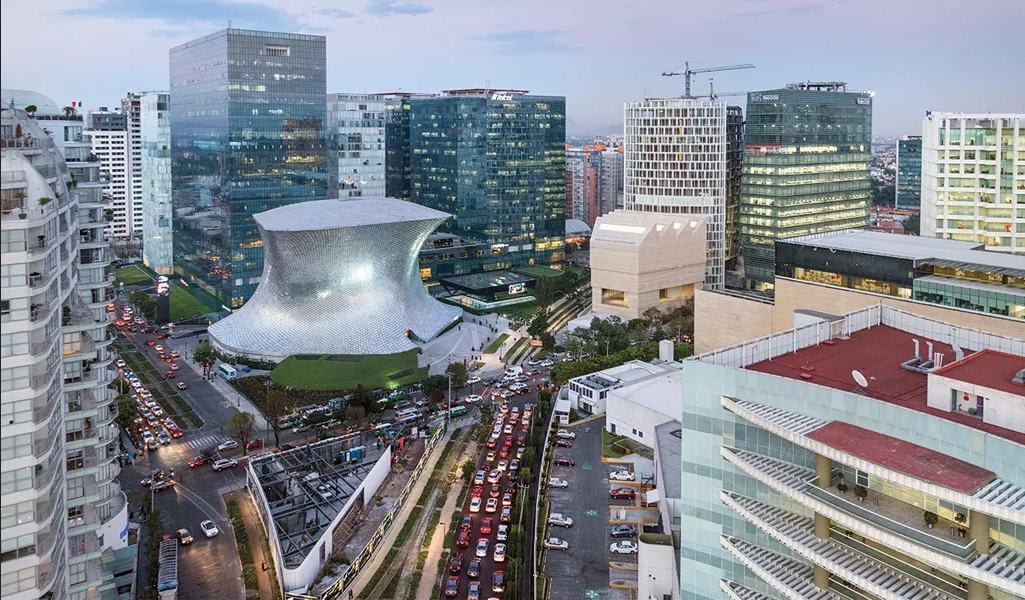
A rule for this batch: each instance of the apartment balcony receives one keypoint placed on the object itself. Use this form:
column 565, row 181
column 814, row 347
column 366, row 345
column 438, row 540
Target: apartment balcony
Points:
column 40, row 246
column 735, row 591
column 48, row 571
column 47, row 505
column 890, row 580
column 791, row 578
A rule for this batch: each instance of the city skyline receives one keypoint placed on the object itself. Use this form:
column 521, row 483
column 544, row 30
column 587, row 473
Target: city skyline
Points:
column 824, row 40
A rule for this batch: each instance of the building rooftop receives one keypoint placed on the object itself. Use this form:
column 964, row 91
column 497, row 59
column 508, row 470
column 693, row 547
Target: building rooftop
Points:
column 877, row 353
column 661, row 393
column 484, row 282
column 337, row 214
column 920, row 249
column 670, row 447
column 624, row 373
column 989, row 368
column 905, row 457
column 633, row 227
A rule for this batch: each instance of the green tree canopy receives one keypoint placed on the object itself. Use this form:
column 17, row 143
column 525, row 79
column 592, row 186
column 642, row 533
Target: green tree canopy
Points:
column 204, row 353
column 242, row 427
column 458, row 372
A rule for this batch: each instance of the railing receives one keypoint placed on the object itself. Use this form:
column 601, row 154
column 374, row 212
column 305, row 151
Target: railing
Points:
column 26, row 143
column 48, row 504
column 12, row 176
column 864, row 513
column 40, row 382
column 40, row 348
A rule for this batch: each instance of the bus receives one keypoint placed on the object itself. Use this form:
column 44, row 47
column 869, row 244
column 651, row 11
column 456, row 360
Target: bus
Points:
column 457, row 411
column 227, row 371
column 406, row 413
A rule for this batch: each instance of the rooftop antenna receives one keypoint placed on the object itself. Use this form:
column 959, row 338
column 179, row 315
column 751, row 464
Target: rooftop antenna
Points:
column 860, row 379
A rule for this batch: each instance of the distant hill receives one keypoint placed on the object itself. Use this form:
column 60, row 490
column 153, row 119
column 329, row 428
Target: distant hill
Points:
column 577, row 130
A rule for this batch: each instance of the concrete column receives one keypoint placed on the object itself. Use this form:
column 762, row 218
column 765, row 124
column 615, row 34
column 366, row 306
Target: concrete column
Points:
column 977, row 590
column 824, row 470
column 821, row 527
column 978, row 529
column 821, row 578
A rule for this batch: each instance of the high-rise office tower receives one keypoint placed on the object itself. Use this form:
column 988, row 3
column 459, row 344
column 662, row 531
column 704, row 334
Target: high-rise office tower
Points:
column 734, row 164
column 357, row 126
column 807, row 155
column 63, row 511
column 248, row 134
column 397, row 143
column 973, row 182
column 675, row 163
column 611, row 194
column 110, row 146
column 595, row 176
column 155, row 181
column 495, row 160
column 130, row 108
column 909, row 172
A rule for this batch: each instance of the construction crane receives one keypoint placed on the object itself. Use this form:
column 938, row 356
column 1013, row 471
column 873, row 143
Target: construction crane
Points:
column 687, row 72
column 712, row 95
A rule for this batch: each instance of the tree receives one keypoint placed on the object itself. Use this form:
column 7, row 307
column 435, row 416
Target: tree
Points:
column 468, row 467
column 913, row 224
column 458, row 372
column 274, row 409
column 436, row 397
column 121, row 386
column 31, row 108
column 138, row 298
column 204, row 354
column 547, row 342
column 242, row 427
column 539, row 324
column 487, row 413
column 125, row 412
column 432, row 383
column 355, row 413
column 544, row 292
column 69, row 111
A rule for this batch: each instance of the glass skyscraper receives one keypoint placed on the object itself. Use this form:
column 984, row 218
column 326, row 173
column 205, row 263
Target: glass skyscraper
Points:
column 808, row 152
column 155, row 134
column 248, row 134
column 496, row 161
column 909, row 172
column 396, row 134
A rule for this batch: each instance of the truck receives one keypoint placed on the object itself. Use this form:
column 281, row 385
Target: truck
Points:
column 167, row 576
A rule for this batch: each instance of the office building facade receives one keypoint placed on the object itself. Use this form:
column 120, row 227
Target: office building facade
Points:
column 261, row 145
column 610, row 196
column 973, row 182
column 734, row 178
column 397, row 146
column 675, row 163
column 496, row 161
column 878, row 454
column 63, row 511
column 357, row 123
column 807, row 156
column 131, row 108
column 155, row 182
column 909, row 172
column 110, row 146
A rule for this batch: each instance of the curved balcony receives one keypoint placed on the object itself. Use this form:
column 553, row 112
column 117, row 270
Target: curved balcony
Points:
column 735, row 591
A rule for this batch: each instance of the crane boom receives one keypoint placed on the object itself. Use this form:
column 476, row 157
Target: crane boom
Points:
column 687, row 72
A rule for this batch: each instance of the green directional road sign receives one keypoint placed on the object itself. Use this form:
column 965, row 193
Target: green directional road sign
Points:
column 590, row 594
column 586, row 467
column 591, row 513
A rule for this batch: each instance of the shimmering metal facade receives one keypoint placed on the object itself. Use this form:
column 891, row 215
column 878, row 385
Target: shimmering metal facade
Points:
column 248, row 134
column 340, row 277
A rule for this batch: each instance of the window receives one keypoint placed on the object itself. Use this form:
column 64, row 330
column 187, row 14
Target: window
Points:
column 15, row 481
column 76, row 460
column 76, row 514
column 77, row 573
column 861, row 478
column 17, row 547
column 16, row 446
column 15, row 379
column 17, row 514
column 16, row 581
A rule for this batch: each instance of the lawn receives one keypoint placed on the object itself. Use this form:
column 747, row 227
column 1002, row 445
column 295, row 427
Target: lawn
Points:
column 616, row 446
column 184, row 305
column 134, row 274
column 522, row 312
column 495, row 345
column 345, row 372
column 538, row 271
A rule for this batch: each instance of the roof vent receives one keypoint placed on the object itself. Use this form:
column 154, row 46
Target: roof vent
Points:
column 1019, row 377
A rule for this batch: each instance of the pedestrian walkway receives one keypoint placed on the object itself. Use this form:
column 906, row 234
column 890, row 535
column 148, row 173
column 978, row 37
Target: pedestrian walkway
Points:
column 206, row 441
column 254, row 530
column 231, row 395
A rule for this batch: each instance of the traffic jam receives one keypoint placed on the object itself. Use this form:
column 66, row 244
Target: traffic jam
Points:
column 475, row 568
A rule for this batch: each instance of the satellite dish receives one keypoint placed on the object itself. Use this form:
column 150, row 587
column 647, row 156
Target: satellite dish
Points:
column 859, row 378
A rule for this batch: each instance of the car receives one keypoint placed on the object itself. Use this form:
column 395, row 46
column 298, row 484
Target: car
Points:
column 162, row 485
column 498, row 581
column 506, row 515
column 170, row 375
column 163, row 336
column 181, row 385
column 152, row 477
column 159, row 348
column 463, row 539
column 624, row 547
column 503, row 533
column 566, row 435
column 227, row 445
column 174, row 367
column 164, row 438
column 475, row 504
column 473, row 380
column 494, row 476
column 257, row 443
column 495, row 491
column 175, row 431
column 285, row 447
column 514, row 464
column 476, row 491
column 174, row 353
column 560, row 519
column 209, row 528
column 479, row 476
column 505, row 452
column 508, row 428
column 184, row 537
column 455, row 564
column 621, row 476
column 492, row 441
column 554, row 543
column 561, row 443
column 472, row 399
column 199, row 460
column 225, row 463
column 492, row 505
column 466, row 524
column 150, row 343
column 499, row 553
column 563, row 461
column 513, row 475
column 555, row 482
column 120, row 364
column 623, row 493
column 618, row 531
column 520, row 451
column 485, row 525
column 473, row 569
column 510, row 487
column 452, row 587
column 482, row 548
column 490, row 456
column 473, row 591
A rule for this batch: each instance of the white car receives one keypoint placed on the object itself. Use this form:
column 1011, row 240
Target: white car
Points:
column 472, row 399
column 120, row 364
column 482, row 548
column 158, row 348
column 621, row 476
column 554, row 543
column 566, row 435
column 558, row 483
column 503, row 533
column 228, row 445
column 624, row 547
column 473, row 380
column 225, row 463
column 475, row 505
column 502, row 465
column 499, row 555
column 560, row 519
column 209, row 528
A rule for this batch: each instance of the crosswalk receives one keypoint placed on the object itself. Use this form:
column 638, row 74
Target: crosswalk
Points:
column 205, row 441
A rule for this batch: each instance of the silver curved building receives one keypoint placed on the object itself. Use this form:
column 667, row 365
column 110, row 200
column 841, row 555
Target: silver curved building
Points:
column 339, row 277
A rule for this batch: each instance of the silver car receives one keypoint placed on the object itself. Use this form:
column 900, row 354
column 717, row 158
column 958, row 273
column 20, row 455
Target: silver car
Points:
column 560, row 519
column 554, row 543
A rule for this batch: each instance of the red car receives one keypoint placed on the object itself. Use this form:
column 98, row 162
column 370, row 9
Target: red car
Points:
column 504, row 453
column 467, row 524
column 175, row 432
column 476, row 492
column 150, row 343
column 562, row 461
column 257, row 443
column 485, row 525
column 623, row 493
column 495, row 491
column 170, row 375
column 163, row 336
column 564, row 443
column 463, row 540
column 199, row 460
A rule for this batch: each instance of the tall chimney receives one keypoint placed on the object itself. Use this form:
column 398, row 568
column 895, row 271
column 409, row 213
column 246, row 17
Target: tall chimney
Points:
column 928, row 344
column 917, row 355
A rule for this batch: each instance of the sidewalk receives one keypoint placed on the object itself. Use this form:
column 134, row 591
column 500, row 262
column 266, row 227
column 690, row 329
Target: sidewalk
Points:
column 370, row 570
column 254, row 530
column 231, row 395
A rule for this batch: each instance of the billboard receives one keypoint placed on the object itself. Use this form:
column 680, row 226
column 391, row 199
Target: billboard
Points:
column 517, row 288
